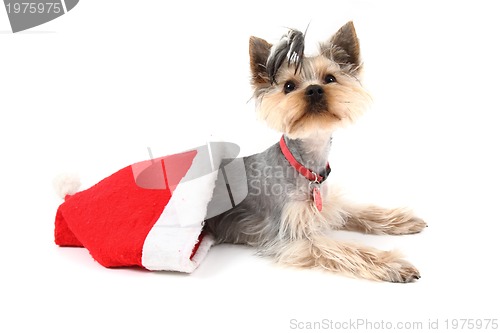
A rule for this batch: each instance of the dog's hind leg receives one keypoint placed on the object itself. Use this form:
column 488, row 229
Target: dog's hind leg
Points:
column 350, row 259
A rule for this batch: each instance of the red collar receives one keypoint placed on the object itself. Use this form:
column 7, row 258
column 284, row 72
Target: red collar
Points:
column 309, row 174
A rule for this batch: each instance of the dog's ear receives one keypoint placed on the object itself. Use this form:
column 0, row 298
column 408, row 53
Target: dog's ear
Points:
column 343, row 48
column 259, row 52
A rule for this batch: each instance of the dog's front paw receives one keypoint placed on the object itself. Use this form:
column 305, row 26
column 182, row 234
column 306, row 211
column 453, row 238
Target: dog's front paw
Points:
column 405, row 222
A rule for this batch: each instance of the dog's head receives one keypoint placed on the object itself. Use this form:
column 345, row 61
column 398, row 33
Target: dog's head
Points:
column 304, row 96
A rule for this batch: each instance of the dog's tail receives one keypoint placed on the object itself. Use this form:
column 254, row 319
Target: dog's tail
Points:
column 66, row 185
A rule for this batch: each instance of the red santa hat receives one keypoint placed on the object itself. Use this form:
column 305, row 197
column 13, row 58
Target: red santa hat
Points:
column 151, row 214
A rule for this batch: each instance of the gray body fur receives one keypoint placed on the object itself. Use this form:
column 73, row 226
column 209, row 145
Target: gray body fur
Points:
column 272, row 182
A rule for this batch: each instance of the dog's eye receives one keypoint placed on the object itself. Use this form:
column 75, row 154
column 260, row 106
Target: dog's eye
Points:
column 289, row 87
column 330, row 79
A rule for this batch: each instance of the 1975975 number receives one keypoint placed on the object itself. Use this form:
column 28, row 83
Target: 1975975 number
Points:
column 33, row 8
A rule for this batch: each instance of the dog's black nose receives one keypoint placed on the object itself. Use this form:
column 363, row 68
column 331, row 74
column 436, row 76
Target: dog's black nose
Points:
column 314, row 92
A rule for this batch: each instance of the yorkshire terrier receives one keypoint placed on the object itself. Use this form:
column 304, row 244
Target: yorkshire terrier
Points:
column 288, row 210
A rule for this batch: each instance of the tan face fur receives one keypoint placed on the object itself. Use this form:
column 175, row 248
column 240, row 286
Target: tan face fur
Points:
column 292, row 111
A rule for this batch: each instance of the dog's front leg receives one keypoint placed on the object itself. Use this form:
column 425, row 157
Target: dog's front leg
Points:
column 370, row 219
column 382, row 221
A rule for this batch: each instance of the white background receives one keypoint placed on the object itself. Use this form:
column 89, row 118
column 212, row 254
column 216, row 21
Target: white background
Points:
column 90, row 91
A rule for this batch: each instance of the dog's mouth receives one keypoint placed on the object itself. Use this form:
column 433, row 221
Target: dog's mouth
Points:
column 316, row 108
column 320, row 111
column 320, row 108
column 315, row 117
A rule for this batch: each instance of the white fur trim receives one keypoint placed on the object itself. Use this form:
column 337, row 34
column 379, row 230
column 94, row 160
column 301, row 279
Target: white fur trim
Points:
column 65, row 184
column 170, row 243
column 170, row 249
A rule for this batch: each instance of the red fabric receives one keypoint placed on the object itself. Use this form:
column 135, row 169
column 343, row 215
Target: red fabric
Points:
column 113, row 218
column 196, row 246
column 63, row 234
